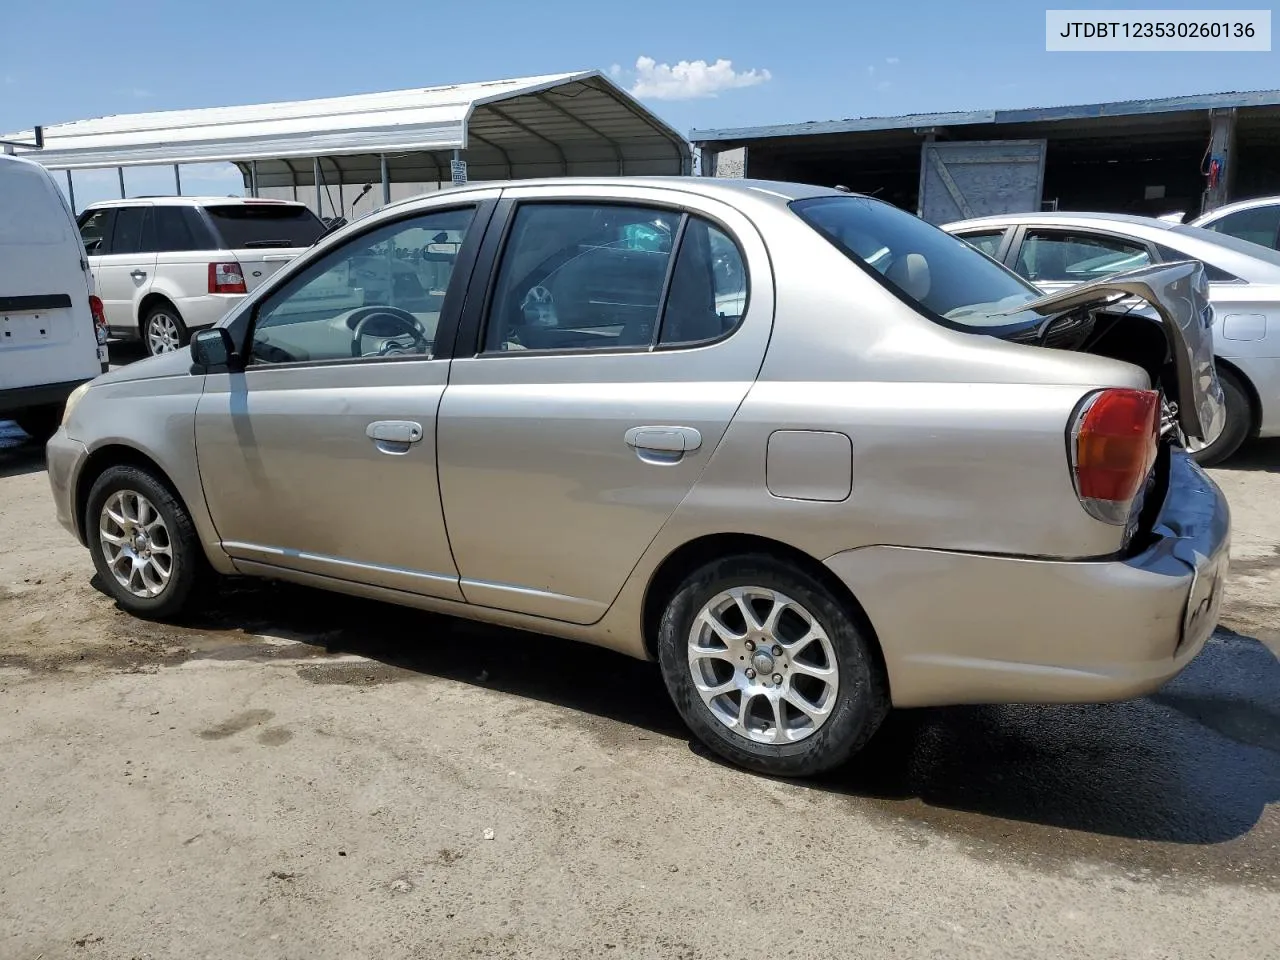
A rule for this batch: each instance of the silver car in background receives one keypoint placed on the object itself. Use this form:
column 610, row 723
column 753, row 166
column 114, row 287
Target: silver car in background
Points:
column 1057, row 250
column 808, row 452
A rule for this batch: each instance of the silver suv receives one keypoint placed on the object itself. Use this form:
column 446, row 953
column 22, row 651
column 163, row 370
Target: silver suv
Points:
column 166, row 266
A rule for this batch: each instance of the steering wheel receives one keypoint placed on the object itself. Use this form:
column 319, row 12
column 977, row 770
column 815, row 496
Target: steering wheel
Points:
column 403, row 319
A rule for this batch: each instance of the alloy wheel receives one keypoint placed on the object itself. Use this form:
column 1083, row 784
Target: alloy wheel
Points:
column 162, row 334
column 763, row 665
column 136, row 543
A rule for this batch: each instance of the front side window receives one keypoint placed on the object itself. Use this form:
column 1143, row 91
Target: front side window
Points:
column 940, row 273
column 92, row 230
column 1057, row 257
column 381, row 294
column 1261, row 225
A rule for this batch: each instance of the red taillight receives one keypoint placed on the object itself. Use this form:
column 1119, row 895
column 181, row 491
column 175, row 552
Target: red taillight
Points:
column 226, row 278
column 99, row 318
column 1114, row 443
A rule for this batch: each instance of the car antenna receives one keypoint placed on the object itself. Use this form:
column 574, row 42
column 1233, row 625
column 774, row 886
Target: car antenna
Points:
column 842, row 188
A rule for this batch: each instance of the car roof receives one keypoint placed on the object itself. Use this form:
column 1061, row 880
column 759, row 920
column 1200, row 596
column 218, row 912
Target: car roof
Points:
column 1249, row 261
column 189, row 201
column 778, row 190
column 1239, row 205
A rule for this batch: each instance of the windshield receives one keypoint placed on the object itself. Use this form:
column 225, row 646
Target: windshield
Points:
column 950, row 279
column 246, row 225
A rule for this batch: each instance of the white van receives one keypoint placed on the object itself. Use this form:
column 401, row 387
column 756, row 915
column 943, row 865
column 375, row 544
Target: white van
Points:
column 53, row 333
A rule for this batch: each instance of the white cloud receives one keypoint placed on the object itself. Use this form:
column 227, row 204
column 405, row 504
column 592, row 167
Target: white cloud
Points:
column 615, row 71
column 871, row 71
column 891, row 60
column 8, row 78
column 884, row 85
column 690, row 79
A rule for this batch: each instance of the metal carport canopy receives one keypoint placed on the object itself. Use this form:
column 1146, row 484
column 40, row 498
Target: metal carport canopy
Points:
column 576, row 124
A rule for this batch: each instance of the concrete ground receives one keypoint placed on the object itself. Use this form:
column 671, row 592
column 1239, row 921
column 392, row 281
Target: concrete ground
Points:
column 308, row 776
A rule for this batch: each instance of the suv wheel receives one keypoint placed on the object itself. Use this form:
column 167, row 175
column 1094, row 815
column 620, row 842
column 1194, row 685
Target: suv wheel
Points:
column 144, row 545
column 163, row 330
column 768, row 668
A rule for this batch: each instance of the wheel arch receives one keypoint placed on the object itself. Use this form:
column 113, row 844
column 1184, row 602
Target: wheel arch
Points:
column 1250, row 392
column 116, row 455
column 153, row 299
column 686, row 558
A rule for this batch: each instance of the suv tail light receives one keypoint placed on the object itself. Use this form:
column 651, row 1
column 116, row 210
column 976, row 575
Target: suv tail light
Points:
column 1113, row 444
column 226, row 278
column 99, row 319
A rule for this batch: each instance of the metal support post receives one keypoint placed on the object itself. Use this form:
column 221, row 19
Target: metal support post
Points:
column 386, row 179
column 177, row 180
column 120, row 175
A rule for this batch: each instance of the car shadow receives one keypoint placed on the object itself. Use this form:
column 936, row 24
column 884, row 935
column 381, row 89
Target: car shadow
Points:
column 1194, row 764
column 19, row 454
column 1256, row 455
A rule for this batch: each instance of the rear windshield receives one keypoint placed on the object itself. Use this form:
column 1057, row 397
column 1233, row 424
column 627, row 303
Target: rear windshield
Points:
column 242, row 226
column 948, row 278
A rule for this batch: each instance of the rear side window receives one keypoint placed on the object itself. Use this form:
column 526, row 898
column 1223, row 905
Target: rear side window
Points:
column 988, row 243
column 583, row 276
column 246, row 226
column 1261, row 225
column 1211, row 273
column 1050, row 256
column 174, row 230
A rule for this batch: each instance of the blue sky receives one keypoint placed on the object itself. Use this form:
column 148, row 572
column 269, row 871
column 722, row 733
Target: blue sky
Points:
column 785, row 63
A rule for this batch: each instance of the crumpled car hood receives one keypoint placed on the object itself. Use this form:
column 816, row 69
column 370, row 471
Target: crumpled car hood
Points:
column 1179, row 294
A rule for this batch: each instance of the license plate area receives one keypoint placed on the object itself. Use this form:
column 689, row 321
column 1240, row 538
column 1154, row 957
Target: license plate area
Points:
column 20, row 329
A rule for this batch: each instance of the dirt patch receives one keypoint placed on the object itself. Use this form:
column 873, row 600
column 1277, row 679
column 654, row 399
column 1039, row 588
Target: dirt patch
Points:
column 237, row 724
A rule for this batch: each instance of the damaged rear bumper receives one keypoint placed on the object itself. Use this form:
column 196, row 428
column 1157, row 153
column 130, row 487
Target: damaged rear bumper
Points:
column 968, row 628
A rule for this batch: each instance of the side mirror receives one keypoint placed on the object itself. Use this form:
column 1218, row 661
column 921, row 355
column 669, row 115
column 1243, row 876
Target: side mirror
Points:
column 213, row 351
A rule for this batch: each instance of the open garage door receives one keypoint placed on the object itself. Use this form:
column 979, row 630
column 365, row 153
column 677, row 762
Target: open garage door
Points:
column 963, row 179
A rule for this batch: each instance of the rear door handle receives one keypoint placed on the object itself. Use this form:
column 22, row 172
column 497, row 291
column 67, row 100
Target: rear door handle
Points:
column 665, row 444
column 394, row 436
column 138, row 274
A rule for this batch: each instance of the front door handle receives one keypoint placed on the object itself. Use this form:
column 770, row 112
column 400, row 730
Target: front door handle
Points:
column 394, row 436
column 138, row 274
column 663, row 444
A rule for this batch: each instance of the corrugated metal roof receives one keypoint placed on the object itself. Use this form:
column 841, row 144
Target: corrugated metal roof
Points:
column 523, row 113
column 1119, row 108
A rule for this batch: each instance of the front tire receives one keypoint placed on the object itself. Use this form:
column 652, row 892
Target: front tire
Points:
column 144, row 544
column 163, row 330
column 1239, row 423
column 769, row 669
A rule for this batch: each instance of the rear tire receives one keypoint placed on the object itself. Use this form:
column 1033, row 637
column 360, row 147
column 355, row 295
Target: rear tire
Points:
column 1239, row 423
column 814, row 698
column 144, row 545
column 40, row 423
column 163, row 330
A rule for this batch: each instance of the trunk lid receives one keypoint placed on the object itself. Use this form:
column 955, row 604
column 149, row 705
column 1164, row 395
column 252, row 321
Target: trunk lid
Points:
column 1178, row 295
